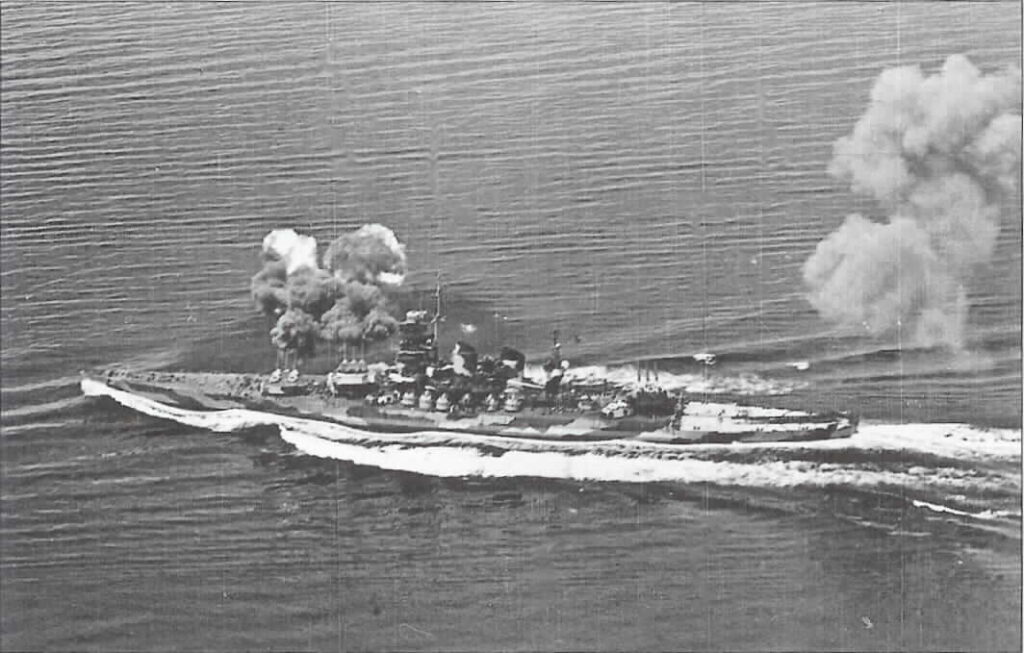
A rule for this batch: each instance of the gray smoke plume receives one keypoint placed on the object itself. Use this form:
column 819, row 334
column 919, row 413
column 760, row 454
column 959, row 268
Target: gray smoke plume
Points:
column 358, row 315
column 378, row 324
column 314, row 291
column 939, row 153
column 341, row 325
column 296, row 331
column 345, row 303
column 371, row 255
column 270, row 287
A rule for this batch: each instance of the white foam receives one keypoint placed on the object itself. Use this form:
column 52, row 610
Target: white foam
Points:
column 986, row 515
column 958, row 441
column 950, row 440
column 600, row 466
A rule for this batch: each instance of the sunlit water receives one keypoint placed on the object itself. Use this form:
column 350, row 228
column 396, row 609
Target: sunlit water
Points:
column 646, row 178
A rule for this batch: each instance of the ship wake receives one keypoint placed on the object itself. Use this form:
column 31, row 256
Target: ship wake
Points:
column 945, row 469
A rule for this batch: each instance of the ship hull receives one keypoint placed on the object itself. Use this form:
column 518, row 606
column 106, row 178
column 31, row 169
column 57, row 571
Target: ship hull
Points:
column 702, row 423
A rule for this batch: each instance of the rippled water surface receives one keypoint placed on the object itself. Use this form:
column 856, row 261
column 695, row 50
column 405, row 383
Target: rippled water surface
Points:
column 647, row 178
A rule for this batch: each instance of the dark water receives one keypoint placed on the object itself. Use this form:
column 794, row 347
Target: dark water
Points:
column 649, row 177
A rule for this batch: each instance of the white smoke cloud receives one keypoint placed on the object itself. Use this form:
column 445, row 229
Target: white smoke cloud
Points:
column 939, row 153
column 297, row 251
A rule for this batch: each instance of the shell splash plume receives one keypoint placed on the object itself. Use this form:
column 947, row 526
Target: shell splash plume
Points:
column 345, row 301
column 941, row 154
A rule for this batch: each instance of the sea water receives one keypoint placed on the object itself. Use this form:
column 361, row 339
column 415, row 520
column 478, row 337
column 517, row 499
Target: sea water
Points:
column 647, row 179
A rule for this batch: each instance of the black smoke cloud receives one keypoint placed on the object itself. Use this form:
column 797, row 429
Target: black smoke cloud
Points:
column 344, row 302
column 940, row 153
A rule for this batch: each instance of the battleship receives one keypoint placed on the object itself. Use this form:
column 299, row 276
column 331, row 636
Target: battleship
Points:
column 483, row 396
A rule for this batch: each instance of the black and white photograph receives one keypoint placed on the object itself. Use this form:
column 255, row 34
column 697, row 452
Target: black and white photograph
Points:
column 510, row 326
